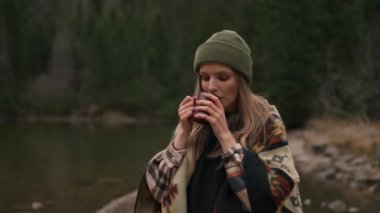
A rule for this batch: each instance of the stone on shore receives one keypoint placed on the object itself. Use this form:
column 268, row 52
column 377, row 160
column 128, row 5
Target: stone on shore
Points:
column 124, row 204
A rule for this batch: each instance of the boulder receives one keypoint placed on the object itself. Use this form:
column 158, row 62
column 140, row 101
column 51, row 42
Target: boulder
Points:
column 124, row 204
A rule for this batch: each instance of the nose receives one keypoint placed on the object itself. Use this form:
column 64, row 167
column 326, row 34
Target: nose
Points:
column 212, row 85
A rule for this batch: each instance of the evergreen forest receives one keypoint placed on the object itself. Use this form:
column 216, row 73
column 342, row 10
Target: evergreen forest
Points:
column 67, row 57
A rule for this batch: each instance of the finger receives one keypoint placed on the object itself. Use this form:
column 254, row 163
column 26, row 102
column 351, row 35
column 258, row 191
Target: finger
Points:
column 209, row 107
column 186, row 113
column 187, row 102
column 209, row 104
column 186, row 107
column 214, row 99
column 185, row 110
column 208, row 110
column 187, row 99
column 211, row 96
column 211, row 120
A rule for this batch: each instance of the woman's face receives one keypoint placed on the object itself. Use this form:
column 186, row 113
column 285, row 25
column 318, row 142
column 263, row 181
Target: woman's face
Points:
column 221, row 81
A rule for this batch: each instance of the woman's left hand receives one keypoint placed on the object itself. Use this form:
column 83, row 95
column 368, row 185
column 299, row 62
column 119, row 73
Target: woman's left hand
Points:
column 216, row 118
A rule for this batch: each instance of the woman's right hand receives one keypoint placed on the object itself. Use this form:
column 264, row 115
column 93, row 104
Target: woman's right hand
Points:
column 185, row 114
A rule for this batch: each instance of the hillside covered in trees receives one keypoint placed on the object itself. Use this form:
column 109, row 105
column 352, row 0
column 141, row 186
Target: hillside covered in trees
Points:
column 68, row 57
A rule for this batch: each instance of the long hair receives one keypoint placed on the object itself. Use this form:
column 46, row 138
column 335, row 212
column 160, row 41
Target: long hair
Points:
column 245, row 125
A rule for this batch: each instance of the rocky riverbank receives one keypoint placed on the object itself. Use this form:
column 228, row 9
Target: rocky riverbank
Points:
column 317, row 157
column 328, row 162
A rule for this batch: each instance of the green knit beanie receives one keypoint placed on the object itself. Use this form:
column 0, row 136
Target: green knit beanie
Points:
column 226, row 47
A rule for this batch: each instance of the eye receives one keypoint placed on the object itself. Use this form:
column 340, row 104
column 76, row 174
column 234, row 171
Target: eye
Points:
column 204, row 78
column 224, row 77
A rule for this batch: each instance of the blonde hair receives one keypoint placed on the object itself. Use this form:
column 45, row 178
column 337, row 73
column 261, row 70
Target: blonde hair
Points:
column 252, row 110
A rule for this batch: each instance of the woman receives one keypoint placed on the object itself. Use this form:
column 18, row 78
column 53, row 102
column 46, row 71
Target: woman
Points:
column 238, row 158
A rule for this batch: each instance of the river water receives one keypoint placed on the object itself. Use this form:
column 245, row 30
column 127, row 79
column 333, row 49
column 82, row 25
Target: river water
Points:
column 79, row 168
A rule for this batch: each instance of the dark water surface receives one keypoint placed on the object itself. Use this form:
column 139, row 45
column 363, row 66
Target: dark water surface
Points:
column 79, row 168
column 72, row 168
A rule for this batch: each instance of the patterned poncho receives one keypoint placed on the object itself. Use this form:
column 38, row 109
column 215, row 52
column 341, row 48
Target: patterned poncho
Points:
column 259, row 178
